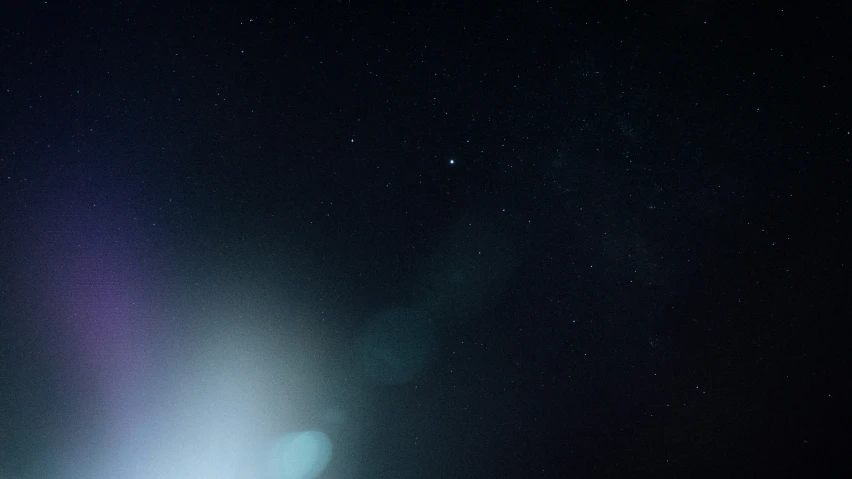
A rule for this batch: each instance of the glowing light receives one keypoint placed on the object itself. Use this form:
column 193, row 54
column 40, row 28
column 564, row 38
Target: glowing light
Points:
column 301, row 455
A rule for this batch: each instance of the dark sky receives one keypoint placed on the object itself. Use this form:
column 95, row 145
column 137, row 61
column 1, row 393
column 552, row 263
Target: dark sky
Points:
column 462, row 239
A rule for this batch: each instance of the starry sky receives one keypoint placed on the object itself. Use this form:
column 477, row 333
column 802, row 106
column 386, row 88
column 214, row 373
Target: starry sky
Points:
column 424, row 239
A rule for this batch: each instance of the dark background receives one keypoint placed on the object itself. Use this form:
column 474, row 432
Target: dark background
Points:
column 631, row 218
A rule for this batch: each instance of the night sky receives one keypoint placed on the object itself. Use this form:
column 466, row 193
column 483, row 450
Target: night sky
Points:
column 406, row 240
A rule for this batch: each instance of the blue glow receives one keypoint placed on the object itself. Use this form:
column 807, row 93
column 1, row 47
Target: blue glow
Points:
column 300, row 455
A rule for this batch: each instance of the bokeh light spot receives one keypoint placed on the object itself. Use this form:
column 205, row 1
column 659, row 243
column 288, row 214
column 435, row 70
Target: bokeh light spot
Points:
column 299, row 455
